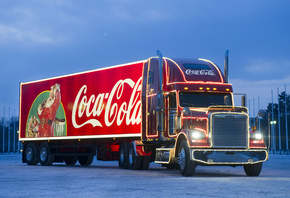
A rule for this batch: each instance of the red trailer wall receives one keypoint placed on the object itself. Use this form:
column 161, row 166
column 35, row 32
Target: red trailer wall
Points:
column 99, row 103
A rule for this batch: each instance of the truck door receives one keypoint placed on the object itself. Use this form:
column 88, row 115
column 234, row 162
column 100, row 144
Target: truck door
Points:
column 172, row 114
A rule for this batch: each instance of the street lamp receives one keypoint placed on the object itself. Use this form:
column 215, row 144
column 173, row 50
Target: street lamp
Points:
column 273, row 127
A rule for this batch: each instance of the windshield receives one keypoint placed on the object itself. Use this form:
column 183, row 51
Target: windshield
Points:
column 196, row 99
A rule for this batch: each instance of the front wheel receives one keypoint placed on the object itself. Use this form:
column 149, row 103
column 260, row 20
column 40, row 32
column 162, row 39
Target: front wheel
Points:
column 253, row 169
column 186, row 166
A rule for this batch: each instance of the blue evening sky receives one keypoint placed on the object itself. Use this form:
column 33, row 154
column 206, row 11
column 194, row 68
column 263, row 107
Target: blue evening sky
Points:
column 47, row 38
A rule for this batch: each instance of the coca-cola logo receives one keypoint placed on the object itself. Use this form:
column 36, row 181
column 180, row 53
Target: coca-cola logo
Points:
column 203, row 72
column 111, row 105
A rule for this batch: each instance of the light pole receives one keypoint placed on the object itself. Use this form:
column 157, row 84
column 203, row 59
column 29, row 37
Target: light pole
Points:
column 272, row 126
column 286, row 125
column 279, row 128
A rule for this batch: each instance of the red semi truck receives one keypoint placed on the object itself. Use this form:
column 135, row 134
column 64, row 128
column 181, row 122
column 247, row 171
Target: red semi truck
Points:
column 176, row 112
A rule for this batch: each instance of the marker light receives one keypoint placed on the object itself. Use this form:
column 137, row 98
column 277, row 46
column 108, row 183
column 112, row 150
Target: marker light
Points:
column 200, row 88
column 185, row 88
column 207, row 88
column 227, row 89
column 214, row 89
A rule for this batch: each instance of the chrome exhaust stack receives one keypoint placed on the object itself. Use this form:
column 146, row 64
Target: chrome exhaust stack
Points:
column 226, row 67
column 160, row 70
column 160, row 98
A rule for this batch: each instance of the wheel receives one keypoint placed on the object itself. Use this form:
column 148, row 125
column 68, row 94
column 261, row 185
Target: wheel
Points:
column 85, row 160
column 253, row 169
column 134, row 161
column 30, row 154
column 145, row 162
column 70, row 160
column 45, row 157
column 186, row 166
column 123, row 155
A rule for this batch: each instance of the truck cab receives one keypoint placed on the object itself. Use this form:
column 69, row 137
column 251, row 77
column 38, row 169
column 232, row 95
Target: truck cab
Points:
column 191, row 118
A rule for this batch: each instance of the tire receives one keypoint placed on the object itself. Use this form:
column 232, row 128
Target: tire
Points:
column 145, row 162
column 253, row 169
column 123, row 156
column 70, row 160
column 186, row 166
column 45, row 157
column 134, row 161
column 30, row 154
column 85, row 160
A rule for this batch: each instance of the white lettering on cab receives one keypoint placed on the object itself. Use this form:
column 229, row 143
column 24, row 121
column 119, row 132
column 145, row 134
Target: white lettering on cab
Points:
column 114, row 112
column 202, row 72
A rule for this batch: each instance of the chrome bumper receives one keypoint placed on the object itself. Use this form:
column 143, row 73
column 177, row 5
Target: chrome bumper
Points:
column 228, row 156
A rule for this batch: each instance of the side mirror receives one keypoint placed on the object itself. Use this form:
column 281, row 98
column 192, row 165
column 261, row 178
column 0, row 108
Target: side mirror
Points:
column 186, row 111
column 243, row 100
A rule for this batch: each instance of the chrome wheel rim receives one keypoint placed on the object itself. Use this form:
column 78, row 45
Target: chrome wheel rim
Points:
column 122, row 155
column 29, row 154
column 43, row 154
column 181, row 158
column 131, row 156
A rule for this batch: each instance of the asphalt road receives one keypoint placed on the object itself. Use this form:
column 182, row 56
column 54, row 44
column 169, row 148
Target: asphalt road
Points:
column 105, row 179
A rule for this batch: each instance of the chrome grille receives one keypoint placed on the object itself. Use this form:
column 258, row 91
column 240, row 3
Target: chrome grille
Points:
column 229, row 130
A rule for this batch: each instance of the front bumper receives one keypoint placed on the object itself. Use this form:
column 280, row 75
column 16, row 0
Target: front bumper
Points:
column 228, row 156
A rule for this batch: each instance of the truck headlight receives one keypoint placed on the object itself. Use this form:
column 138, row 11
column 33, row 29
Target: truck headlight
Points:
column 197, row 135
column 256, row 136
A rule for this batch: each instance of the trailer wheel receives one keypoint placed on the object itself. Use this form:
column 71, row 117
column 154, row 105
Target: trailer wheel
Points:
column 186, row 166
column 70, row 160
column 85, row 160
column 30, row 154
column 253, row 169
column 45, row 157
column 123, row 155
column 134, row 161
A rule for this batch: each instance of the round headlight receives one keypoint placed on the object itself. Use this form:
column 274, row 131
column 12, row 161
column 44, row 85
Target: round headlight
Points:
column 257, row 136
column 197, row 135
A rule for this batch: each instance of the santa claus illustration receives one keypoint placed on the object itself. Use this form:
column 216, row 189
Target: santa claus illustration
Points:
column 47, row 112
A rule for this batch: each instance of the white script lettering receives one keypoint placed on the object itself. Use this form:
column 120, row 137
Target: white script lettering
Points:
column 116, row 109
column 202, row 72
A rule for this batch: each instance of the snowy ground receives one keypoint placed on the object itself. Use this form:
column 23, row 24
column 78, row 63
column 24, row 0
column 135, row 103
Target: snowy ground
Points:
column 105, row 179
